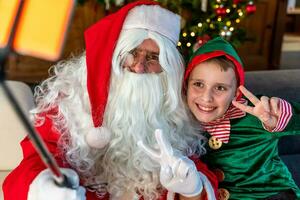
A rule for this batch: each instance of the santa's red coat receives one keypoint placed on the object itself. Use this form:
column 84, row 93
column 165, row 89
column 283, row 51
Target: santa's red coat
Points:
column 16, row 184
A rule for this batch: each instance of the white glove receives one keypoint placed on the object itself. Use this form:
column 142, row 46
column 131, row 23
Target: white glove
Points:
column 178, row 173
column 43, row 187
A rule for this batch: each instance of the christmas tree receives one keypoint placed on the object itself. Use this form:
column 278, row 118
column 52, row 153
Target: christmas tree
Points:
column 204, row 20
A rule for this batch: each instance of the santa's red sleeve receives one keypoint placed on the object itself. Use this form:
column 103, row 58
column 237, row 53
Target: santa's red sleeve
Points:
column 17, row 183
column 211, row 176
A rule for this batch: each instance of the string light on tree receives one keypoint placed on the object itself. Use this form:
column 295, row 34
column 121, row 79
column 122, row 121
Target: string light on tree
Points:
column 228, row 33
column 211, row 18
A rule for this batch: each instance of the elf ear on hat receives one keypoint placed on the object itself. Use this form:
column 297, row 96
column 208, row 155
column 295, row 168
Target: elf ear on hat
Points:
column 215, row 48
column 101, row 39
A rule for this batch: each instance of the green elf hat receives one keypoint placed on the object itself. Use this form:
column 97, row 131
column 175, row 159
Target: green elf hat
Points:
column 215, row 48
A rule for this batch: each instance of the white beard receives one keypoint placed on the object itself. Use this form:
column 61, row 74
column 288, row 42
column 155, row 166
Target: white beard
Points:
column 135, row 103
column 135, row 109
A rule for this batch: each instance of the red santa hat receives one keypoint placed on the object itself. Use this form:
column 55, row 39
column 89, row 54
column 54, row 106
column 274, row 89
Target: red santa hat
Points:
column 101, row 40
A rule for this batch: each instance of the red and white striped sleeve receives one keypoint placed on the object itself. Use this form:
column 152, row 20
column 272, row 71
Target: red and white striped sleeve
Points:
column 286, row 115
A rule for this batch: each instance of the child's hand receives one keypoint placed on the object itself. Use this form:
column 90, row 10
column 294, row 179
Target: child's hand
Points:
column 265, row 109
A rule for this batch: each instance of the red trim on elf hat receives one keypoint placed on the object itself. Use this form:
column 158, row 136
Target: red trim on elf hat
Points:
column 101, row 39
column 239, row 71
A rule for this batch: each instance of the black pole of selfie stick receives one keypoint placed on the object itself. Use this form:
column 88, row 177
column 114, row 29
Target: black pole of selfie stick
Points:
column 37, row 141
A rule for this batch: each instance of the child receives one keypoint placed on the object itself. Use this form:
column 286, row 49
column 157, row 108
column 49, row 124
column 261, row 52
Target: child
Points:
column 242, row 138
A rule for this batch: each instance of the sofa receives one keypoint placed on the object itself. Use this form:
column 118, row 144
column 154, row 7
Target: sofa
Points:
column 284, row 84
column 280, row 83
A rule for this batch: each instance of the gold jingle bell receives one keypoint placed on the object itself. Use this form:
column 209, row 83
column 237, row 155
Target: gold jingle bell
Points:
column 223, row 194
column 214, row 143
column 219, row 174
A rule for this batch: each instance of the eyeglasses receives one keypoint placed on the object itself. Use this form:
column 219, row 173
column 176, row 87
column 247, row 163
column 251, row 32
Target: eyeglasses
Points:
column 142, row 61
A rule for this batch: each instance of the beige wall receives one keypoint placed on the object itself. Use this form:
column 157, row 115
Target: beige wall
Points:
column 11, row 130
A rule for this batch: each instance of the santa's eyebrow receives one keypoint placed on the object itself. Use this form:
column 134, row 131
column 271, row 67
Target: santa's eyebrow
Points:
column 148, row 51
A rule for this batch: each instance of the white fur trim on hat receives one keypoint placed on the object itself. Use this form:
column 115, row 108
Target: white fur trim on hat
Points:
column 154, row 18
column 98, row 137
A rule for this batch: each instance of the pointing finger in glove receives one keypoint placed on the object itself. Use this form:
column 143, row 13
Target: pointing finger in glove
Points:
column 164, row 146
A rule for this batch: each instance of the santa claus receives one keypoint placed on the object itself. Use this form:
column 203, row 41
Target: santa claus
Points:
column 98, row 114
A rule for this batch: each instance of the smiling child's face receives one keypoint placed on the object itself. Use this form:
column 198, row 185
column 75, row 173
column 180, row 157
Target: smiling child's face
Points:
column 210, row 91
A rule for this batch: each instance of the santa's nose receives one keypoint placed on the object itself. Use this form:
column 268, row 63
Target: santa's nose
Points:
column 139, row 66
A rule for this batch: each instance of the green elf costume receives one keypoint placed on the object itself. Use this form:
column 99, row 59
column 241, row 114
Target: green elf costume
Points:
column 240, row 147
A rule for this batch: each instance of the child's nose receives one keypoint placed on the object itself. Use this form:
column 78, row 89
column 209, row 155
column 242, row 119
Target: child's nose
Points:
column 207, row 95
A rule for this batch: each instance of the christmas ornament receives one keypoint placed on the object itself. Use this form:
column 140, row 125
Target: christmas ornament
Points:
column 250, row 8
column 221, row 11
column 200, row 41
column 236, row 1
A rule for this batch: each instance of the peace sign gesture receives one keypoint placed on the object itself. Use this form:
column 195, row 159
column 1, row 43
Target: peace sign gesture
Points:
column 265, row 109
column 178, row 173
